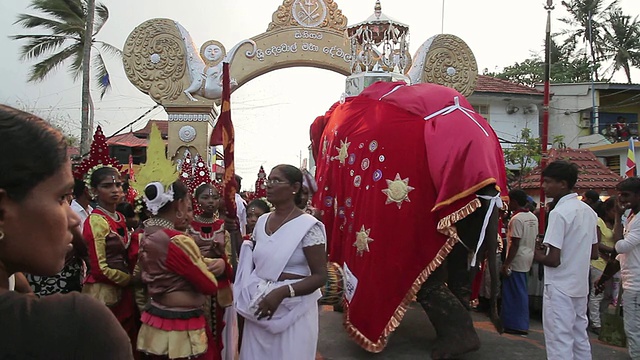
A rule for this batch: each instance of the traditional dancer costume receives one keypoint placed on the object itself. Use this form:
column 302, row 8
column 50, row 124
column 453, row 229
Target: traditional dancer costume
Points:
column 172, row 268
column 108, row 243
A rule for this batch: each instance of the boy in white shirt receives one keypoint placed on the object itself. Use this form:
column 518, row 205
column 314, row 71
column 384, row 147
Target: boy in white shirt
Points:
column 628, row 248
column 569, row 243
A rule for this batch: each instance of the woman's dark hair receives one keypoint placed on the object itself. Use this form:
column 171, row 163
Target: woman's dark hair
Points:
column 293, row 175
column 100, row 174
column 126, row 209
column 260, row 204
column 202, row 188
column 562, row 171
column 31, row 151
column 607, row 206
column 180, row 191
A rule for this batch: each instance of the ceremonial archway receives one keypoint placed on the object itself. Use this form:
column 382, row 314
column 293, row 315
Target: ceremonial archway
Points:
column 161, row 60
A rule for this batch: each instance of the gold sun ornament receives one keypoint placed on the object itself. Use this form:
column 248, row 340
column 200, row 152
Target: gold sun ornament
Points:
column 343, row 151
column 397, row 191
column 362, row 240
column 157, row 168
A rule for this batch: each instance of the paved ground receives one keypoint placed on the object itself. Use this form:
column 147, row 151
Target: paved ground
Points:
column 413, row 339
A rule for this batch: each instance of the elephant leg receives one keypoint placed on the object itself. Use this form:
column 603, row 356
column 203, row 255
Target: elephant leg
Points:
column 451, row 320
column 458, row 274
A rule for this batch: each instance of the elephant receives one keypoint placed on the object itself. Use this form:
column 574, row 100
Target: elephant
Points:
column 410, row 183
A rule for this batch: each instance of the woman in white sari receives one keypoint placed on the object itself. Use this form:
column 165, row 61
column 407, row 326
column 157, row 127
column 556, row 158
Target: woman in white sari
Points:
column 279, row 276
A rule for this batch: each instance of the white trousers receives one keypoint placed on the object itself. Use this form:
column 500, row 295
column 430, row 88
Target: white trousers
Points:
column 631, row 309
column 564, row 321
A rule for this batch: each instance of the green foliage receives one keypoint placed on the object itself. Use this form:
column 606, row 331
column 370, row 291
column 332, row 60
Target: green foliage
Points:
column 525, row 153
column 565, row 68
column 62, row 23
column 612, row 36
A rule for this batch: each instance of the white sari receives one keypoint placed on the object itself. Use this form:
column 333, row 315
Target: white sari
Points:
column 292, row 332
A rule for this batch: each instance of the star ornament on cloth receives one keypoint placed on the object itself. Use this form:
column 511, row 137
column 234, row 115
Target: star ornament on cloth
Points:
column 343, row 151
column 397, row 191
column 362, row 240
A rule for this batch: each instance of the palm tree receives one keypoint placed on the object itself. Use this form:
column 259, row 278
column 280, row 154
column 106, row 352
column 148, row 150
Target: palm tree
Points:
column 586, row 21
column 621, row 44
column 66, row 22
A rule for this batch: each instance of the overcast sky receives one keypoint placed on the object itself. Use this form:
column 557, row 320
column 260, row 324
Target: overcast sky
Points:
column 272, row 113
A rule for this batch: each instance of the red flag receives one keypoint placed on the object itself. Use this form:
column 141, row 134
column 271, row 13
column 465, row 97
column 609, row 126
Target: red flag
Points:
column 228, row 142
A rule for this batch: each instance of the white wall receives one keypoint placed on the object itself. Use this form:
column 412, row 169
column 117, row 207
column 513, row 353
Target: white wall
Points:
column 509, row 126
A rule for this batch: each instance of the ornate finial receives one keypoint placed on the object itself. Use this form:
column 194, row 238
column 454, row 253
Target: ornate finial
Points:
column 378, row 9
column 157, row 169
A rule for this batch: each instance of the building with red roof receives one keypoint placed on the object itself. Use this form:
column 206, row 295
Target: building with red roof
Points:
column 593, row 174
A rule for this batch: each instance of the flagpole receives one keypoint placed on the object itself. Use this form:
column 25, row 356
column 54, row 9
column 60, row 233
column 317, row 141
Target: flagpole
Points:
column 545, row 113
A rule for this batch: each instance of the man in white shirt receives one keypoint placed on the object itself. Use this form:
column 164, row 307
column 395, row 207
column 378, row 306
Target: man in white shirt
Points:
column 521, row 235
column 81, row 202
column 241, row 208
column 628, row 248
column 570, row 241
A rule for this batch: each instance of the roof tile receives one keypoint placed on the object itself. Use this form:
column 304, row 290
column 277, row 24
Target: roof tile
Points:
column 494, row 85
column 593, row 174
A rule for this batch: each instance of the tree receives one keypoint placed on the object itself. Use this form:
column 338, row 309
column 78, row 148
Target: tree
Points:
column 69, row 37
column 586, row 22
column 524, row 154
column 621, row 44
column 566, row 67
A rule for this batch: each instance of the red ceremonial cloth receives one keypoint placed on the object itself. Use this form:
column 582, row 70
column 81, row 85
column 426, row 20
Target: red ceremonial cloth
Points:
column 387, row 175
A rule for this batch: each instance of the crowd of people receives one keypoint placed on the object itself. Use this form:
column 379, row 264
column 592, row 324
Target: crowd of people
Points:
column 179, row 277
column 586, row 241
column 90, row 275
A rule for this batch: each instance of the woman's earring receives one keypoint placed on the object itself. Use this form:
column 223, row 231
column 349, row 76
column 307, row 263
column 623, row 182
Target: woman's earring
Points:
column 1, row 234
column 294, row 193
column 179, row 215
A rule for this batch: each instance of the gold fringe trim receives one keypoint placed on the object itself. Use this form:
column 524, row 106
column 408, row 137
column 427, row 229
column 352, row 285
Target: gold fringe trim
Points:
column 466, row 192
column 446, row 227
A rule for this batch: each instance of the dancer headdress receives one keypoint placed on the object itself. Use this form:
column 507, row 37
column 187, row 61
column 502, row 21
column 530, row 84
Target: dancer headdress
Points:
column 158, row 172
column 98, row 158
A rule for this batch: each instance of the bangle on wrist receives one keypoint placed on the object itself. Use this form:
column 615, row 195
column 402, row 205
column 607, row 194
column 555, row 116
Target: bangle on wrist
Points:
column 292, row 292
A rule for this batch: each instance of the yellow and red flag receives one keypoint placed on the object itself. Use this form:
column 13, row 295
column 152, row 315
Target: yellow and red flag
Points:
column 630, row 169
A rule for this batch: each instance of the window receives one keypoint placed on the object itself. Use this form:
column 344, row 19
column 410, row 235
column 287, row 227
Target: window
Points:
column 483, row 110
column 613, row 163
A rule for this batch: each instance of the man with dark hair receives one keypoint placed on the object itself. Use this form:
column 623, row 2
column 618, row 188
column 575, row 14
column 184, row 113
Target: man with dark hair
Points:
column 569, row 243
column 628, row 248
column 521, row 235
column 591, row 198
column 81, row 204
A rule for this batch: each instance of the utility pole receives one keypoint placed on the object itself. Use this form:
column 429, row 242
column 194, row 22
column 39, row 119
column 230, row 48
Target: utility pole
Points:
column 545, row 112
column 594, row 107
column 87, row 104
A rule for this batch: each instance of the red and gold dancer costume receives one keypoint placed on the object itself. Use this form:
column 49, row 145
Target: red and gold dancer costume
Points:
column 175, row 272
column 171, row 264
column 108, row 244
column 214, row 242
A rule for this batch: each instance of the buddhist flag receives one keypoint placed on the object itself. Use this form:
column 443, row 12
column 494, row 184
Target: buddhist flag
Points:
column 630, row 170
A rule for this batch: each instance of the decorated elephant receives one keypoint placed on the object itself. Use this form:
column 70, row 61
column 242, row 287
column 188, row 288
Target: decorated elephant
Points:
column 410, row 180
